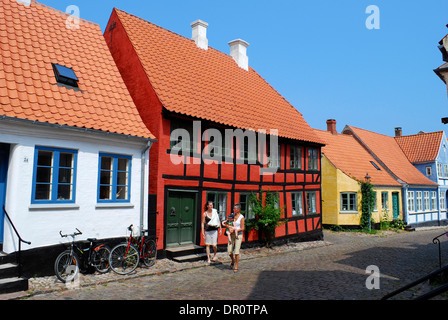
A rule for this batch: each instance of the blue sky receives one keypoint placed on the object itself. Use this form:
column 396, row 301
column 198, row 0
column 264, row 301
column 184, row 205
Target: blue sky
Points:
column 319, row 54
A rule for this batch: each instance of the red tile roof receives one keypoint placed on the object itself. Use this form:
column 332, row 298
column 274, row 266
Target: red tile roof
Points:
column 423, row 147
column 387, row 150
column 31, row 39
column 347, row 155
column 208, row 84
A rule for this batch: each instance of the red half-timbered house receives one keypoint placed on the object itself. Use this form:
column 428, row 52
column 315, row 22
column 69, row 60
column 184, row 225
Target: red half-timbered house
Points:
column 182, row 83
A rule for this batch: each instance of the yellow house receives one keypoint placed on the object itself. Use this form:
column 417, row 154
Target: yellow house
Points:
column 344, row 163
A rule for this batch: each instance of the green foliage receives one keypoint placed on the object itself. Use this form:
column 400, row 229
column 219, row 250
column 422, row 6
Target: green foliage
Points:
column 367, row 203
column 398, row 224
column 267, row 213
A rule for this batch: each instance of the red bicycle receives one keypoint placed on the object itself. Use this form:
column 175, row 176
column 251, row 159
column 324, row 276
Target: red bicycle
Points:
column 125, row 257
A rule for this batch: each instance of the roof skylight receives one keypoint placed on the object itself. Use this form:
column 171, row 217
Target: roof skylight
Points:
column 375, row 165
column 65, row 75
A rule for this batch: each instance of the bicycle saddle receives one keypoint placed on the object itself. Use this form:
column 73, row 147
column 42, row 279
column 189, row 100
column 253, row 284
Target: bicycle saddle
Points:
column 91, row 239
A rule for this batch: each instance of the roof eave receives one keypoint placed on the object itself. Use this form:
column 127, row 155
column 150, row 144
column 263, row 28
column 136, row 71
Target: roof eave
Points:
column 78, row 129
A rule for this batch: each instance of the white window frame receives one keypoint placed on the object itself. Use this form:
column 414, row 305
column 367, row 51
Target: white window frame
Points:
column 419, row 201
column 384, row 200
column 426, row 202
column 311, row 203
column 297, row 204
column 442, row 200
column 411, row 201
column 433, row 200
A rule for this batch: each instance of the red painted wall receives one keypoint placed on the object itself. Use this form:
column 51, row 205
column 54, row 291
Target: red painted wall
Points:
column 151, row 111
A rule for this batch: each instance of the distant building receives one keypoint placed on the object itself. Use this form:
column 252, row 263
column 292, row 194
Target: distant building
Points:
column 428, row 153
column 420, row 194
column 344, row 164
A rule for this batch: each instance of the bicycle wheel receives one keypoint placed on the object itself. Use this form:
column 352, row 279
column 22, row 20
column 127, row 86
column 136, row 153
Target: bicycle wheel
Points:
column 124, row 258
column 66, row 266
column 100, row 259
column 149, row 252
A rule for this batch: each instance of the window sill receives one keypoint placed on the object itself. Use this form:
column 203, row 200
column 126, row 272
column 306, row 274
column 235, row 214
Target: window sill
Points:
column 114, row 205
column 55, row 206
column 348, row 212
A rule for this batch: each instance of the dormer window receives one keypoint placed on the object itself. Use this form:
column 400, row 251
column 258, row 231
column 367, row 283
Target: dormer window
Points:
column 65, row 75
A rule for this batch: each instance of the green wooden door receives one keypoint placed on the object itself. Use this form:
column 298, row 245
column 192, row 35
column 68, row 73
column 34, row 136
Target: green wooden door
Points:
column 396, row 204
column 181, row 209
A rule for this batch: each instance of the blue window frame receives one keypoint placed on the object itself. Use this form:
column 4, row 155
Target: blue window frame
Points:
column 54, row 176
column 114, row 179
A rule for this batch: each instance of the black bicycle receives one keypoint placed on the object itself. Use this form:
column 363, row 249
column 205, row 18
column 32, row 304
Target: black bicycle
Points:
column 69, row 263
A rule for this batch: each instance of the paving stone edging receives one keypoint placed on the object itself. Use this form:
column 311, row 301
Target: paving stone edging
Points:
column 50, row 284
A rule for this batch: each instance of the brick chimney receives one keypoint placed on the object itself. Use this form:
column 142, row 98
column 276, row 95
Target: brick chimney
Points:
column 238, row 51
column 331, row 126
column 398, row 132
column 199, row 34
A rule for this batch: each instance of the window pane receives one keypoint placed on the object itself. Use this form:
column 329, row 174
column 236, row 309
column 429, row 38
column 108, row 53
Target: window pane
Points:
column 106, row 163
column 122, row 178
column 43, row 191
column 45, row 158
column 64, row 192
column 352, row 202
column 66, row 160
column 106, row 177
column 65, row 175
column 344, row 202
column 122, row 193
column 123, row 164
column 44, row 175
column 105, row 192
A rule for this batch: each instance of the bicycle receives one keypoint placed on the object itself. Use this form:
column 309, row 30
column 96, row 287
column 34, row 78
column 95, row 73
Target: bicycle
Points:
column 125, row 257
column 69, row 262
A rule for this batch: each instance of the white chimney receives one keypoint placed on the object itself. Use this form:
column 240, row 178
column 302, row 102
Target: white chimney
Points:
column 238, row 51
column 199, row 34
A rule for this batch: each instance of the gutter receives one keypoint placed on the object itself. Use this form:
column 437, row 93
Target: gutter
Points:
column 76, row 129
column 142, row 184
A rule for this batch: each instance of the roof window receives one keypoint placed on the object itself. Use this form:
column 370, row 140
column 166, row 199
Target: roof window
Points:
column 65, row 75
column 375, row 165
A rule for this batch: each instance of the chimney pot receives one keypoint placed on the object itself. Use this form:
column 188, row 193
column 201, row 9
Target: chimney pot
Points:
column 331, row 126
column 238, row 51
column 398, row 132
column 199, row 33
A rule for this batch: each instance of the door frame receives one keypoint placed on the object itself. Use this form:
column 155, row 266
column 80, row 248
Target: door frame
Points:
column 195, row 213
column 4, row 165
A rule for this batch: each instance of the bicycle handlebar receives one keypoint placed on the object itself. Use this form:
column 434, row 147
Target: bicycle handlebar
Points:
column 71, row 235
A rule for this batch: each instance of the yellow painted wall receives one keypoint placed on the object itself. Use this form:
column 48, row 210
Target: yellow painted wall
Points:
column 334, row 181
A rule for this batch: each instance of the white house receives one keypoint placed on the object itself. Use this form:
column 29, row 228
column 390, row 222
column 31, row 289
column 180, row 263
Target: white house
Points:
column 74, row 152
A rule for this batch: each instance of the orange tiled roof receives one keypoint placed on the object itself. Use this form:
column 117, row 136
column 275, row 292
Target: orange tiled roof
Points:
column 390, row 153
column 208, row 84
column 31, row 39
column 422, row 147
column 347, row 155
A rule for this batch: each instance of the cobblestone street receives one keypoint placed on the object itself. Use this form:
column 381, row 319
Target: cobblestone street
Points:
column 332, row 270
